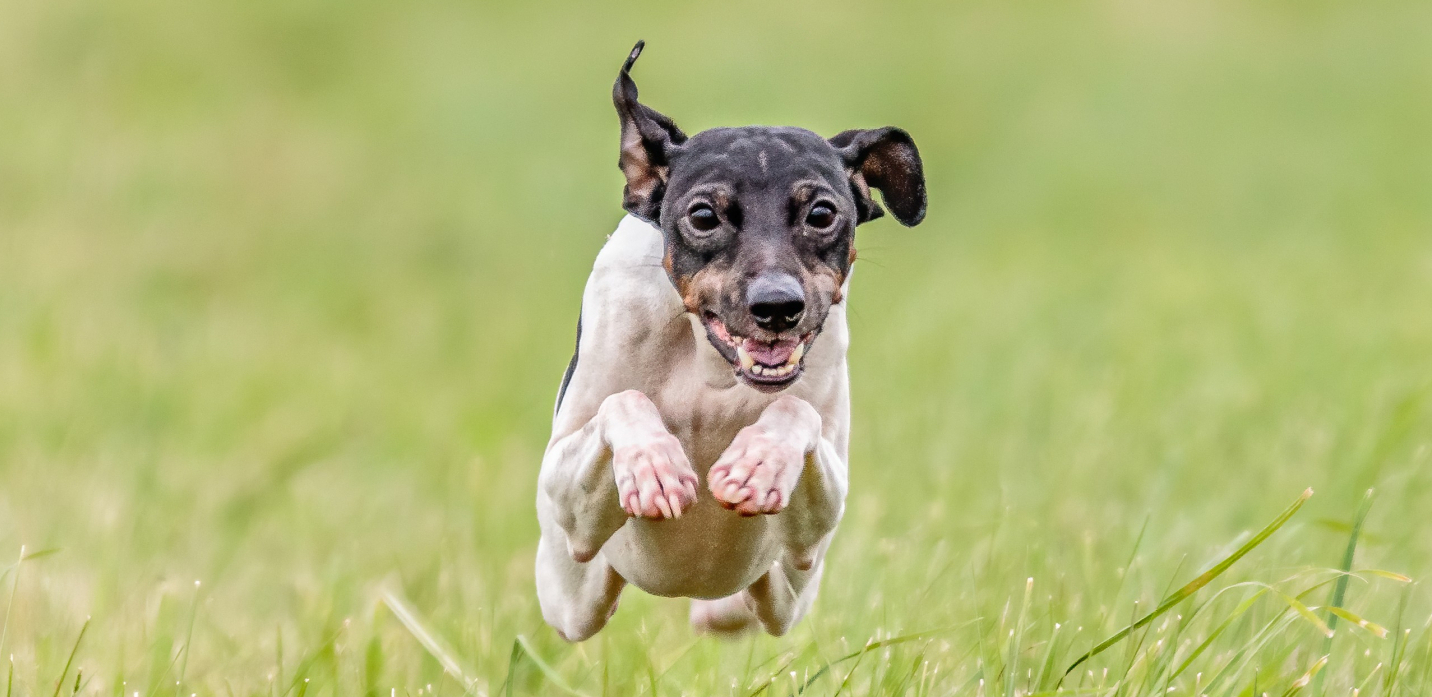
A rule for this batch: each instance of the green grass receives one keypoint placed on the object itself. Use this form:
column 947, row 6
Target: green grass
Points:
column 286, row 289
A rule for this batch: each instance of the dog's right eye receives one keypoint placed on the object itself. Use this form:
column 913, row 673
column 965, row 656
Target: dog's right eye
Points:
column 703, row 218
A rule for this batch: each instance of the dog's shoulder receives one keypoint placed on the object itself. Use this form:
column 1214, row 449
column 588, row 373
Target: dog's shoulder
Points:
column 635, row 244
column 628, row 276
column 632, row 325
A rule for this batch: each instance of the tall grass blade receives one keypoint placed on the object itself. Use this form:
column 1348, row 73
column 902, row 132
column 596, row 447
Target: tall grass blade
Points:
column 771, row 679
column 188, row 643
column 1223, row 626
column 1047, row 665
column 1248, row 651
column 430, row 641
column 1340, row 590
column 14, row 587
column 512, row 660
column 1011, row 663
column 154, row 689
column 1384, row 574
column 42, row 553
column 300, row 671
column 1198, row 583
column 1399, row 646
column 1305, row 612
column 1302, row 682
column 59, row 684
column 1377, row 630
column 547, row 670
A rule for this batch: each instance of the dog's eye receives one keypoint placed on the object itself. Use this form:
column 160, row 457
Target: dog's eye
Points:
column 703, row 218
column 821, row 216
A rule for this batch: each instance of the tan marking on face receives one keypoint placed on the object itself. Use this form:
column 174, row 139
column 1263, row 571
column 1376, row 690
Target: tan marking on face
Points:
column 829, row 281
column 701, row 287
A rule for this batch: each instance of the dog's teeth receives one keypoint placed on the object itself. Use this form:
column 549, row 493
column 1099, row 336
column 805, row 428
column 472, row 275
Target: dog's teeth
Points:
column 796, row 355
column 746, row 360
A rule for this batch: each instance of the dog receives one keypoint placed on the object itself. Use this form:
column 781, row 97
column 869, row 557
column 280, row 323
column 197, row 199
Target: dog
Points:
column 711, row 356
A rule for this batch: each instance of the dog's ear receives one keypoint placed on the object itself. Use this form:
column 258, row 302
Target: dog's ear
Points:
column 648, row 138
column 886, row 159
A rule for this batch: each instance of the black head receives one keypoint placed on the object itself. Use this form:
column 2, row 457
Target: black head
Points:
column 759, row 222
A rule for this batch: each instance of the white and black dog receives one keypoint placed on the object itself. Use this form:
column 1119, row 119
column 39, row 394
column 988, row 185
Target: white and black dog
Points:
column 697, row 359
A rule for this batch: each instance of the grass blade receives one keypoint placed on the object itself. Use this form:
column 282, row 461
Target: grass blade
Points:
column 1227, row 622
column 300, row 671
column 59, row 684
column 873, row 645
column 1047, row 665
column 1011, row 664
column 14, row 587
column 1377, row 629
column 1302, row 682
column 512, row 660
column 1245, row 654
column 188, row 642
column 547, row 671
column 1384, row 574
column 1193, row 586
column 1340, row 590
column 430, row 641
column 41, row 554
column 1306, row 613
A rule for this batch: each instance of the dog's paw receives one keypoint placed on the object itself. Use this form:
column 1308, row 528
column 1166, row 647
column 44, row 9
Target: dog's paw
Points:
column 758, row 472
column 654, row 478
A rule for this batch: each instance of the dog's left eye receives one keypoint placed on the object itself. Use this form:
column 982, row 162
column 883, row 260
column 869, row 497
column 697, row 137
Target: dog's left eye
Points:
column 703, row 218
column 821, row 216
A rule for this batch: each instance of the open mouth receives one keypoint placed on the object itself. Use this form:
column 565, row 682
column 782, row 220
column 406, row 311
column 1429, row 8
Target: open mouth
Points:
column 761, row 363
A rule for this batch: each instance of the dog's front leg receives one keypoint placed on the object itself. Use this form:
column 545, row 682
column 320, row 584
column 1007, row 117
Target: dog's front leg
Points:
column 784, row 464
column 622, row 463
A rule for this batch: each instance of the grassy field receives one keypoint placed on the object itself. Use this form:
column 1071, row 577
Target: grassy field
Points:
column 286, row 289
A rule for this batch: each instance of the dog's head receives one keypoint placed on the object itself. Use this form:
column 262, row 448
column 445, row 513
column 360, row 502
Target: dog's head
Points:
column 759, row 222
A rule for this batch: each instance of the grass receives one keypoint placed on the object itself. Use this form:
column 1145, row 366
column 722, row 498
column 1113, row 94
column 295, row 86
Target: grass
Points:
column 286, row 289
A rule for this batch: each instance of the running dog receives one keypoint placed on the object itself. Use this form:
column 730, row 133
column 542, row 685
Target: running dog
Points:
column 699, row 440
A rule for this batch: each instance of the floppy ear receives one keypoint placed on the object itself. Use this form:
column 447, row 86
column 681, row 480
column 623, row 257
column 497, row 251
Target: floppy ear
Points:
column 648, row 138
column 886, row 159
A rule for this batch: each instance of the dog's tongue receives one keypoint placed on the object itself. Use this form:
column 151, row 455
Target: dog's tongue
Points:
column 771, row 354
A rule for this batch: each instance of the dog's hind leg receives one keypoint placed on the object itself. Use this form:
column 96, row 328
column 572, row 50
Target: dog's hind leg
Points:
column 726, row 616
column 576, row 598
column 776, row 601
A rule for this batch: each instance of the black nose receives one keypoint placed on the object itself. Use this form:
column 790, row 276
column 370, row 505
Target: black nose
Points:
column 776, row 301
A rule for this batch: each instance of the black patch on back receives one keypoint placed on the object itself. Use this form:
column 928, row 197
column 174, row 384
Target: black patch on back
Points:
column 571, row 367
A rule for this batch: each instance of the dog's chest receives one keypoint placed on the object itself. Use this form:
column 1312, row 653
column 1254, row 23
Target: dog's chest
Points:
column 704, row 417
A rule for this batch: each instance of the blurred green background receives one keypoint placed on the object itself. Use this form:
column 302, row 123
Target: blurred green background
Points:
column 286, row 289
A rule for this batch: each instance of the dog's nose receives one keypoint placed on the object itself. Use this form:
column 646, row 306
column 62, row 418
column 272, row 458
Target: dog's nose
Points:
column 776, row 301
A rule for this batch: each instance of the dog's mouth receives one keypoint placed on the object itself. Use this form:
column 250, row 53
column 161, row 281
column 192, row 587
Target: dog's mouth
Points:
column 762, row 364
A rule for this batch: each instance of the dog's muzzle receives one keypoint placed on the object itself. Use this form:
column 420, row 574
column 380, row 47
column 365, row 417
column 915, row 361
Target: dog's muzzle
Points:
column 762, row 364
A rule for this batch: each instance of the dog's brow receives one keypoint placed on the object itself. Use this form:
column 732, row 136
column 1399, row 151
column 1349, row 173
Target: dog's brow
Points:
column 804, row 189
column 713, row 190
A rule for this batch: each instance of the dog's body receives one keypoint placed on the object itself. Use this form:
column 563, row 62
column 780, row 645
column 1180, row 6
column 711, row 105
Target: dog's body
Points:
column 638, row 340
column 697, row 367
